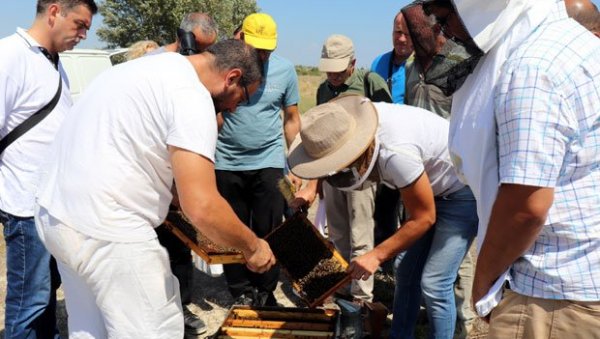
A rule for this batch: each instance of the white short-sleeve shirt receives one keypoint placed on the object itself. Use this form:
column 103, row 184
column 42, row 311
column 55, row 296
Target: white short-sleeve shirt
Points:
column 109, row 175
column 28, row 81
column 413, row 141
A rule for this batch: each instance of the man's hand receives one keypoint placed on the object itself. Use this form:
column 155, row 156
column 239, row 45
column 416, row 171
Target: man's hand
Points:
column 517, row 218
column 480, row 288
column 262, row 259
column 364, row 266
column 297, row 182
column 305, row 196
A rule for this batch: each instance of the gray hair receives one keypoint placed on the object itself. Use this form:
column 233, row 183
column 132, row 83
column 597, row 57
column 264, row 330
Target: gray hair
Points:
column 194, row 20
column 232, row 53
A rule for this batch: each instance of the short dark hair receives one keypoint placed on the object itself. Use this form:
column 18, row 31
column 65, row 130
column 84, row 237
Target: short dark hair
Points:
column 68, row 5
column 232, row 53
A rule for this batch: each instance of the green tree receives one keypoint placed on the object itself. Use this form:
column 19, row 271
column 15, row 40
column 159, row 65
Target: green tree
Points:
column 127, row 21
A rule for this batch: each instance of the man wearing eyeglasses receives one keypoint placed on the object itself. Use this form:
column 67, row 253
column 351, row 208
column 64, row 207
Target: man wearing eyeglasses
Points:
column 107, row 181
column 524, row 134
column 351, row 141
column 250, row 156
column 204, row 31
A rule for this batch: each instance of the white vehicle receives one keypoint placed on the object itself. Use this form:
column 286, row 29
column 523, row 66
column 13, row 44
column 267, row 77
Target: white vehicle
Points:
column 83, row 65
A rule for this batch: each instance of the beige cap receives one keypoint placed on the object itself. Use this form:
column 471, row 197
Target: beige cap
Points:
column 337, row 52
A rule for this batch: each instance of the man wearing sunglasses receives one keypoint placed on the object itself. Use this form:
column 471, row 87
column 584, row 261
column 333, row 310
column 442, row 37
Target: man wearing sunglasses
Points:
column 349, row 142
column 524, row 134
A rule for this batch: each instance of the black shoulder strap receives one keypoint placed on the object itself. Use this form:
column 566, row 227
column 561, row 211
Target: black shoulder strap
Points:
column 32, row 120
column 366, row 86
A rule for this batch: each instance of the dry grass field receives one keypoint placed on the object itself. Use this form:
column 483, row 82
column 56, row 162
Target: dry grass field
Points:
column 308, row 85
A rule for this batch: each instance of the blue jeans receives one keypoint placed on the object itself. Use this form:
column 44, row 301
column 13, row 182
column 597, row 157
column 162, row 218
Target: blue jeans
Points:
column 429, row 267
column 32, row 279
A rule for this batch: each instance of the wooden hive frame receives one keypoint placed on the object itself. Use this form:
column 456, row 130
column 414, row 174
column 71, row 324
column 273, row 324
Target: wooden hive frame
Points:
column 311, row 231
column 278, row 322
column 210, row 256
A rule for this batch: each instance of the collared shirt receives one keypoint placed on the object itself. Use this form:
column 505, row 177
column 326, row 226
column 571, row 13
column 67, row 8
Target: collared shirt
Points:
column 28, row 81
column 354, row 84
column 548, row 114
column 529, row 115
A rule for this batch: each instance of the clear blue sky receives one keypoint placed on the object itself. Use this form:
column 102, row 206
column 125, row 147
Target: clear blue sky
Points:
column 303, row 25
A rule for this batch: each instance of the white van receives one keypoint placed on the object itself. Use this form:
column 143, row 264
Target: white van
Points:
column 82, row 66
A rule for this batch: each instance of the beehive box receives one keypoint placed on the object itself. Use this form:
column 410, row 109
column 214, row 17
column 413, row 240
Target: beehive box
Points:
column 210, row 252
column 315, row 268
column 278, row 322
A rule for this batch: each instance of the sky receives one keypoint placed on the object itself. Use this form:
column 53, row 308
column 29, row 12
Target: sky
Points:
column 303, row 25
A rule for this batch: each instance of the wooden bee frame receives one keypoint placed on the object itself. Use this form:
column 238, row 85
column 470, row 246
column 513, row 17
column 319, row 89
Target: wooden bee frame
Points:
column 278, row 322
column 211, row 253
column 313, row 265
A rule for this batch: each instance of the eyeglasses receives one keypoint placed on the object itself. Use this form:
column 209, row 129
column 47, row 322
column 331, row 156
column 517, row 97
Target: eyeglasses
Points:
column 246, row 93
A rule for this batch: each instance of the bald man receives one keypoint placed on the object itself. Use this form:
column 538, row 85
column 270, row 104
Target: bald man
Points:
column 586, row 13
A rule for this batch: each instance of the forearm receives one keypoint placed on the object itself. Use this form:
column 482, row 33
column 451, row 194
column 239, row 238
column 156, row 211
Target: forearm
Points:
column 291, row 124
column 405, row 236
column 517, row 217
column 218, row 222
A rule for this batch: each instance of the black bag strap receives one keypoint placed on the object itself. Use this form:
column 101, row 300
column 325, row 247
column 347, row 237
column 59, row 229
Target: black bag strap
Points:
column 32, row 120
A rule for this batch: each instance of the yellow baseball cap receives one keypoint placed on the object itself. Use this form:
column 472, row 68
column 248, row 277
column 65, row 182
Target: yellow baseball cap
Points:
column 260, row 31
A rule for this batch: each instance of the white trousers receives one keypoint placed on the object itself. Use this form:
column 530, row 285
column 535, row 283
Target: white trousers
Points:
column 113, row 290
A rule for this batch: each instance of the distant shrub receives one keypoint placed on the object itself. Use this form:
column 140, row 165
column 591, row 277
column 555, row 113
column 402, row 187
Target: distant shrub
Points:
column 307, row 70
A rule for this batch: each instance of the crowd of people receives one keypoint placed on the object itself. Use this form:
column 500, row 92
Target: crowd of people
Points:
column 482, row 124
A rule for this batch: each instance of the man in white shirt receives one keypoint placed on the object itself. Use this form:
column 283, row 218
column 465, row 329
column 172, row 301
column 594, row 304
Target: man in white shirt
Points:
column 524, row 134
column 108, row 181
column 30, row 74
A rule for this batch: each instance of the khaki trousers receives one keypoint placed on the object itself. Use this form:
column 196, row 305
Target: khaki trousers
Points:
column 351, row 228
column 519, row 316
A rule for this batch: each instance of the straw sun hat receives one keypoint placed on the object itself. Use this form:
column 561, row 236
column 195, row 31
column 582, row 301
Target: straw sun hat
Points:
column 333, row 135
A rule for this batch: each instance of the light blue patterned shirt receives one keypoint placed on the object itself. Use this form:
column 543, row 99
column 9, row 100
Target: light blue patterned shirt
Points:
column 547, row 109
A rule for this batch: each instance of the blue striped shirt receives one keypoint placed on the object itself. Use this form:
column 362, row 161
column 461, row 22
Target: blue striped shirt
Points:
column 548, row 117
